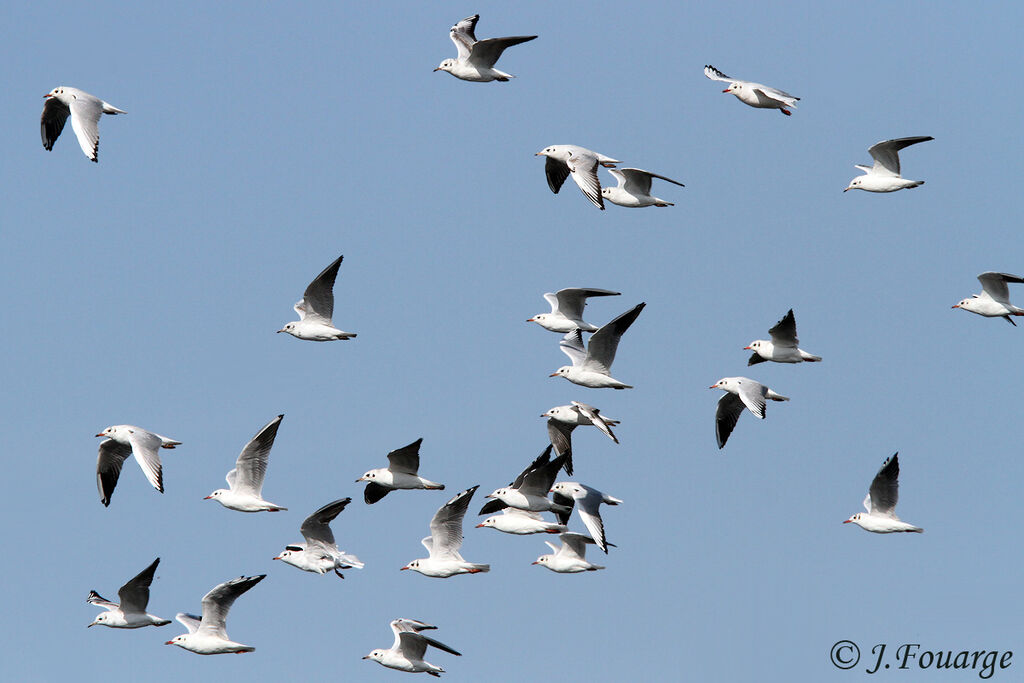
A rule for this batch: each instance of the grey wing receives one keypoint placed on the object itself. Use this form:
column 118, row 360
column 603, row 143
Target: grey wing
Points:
column 318, row 299
column 412, row 645
column 97, row 599
column 776, row 94
column 729, row 409
column 251, row 466
column 552, row 300
column 643, row 178
column 539, row 461
column 486, row 52
column 886, row 154
column 716, row 75
column 415, row 625
column 572, row 346
column 218, row 601
column 784, row 332
column 317, row 527
column 540, row 480
column 560, row 434
column 885, row 488
column 189, row 621
column 146, row 449
column 571, row 300
column 752, row 394
column 588, row 507
column 406, row 459
column 556, row 171
column 574, row 545
column 55, row 115
column 633, row 180
column 603, row 343
column 584, row 172
column 995, row 285
column 375, row 492
column 85, row 119
column 446, row 526
column 566, row 501
column 441, row 646
column 134, row 595
column 595, row 416
column 462, row 34
column 108, row 467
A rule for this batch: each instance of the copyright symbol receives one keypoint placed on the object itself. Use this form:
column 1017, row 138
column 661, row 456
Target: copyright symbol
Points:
column 845, row 654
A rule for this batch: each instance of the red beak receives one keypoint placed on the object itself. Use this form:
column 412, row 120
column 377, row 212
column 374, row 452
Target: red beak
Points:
column 169, row 642
column 478, row 526
column 403, row 568
column 846, row 521
column 746, row 348
column 726, row 90
column 954, row 306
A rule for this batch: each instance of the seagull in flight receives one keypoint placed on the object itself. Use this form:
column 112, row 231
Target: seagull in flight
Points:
column 591, row 366
column 444, row 542
column 131, row 613
column 570, row 558
column 880, row 502
column 567, row 309
column 477, row 57
column 783, row 347
column 587, row 500
column 884, row 175
column 562, row 420
column 741, row 392
column 754, row 94
column 634, row 188
column 207, row 635
column 580, row 162
column 406, row 654
column 530, row 489
column 245, row 481
column 85, row 111
column 123, row 441
column 320, row 554
column 317, row 308
column 401, row 473
column 994, row 300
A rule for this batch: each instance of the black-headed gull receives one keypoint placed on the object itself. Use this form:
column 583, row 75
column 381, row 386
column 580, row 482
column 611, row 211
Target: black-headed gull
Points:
column 994, row 300
column 884, row 175
column 131, row 613
column 581, row 163
column 634, row 188
column 245, row 481
column 406, row 653
column 521, row 522
column 567, row 309
column 444, row 542
column 207, row 635
column 316, row 309
column 783, row 347
column 563, row 419
column 880, row 502
column 591, row 366
column 530, row 490
column 477, row 57
column 587, row 501
column 740, row 392
column 320, row 554
column 401, row 473
column 121, row 442
column 754, row 94
column 570, row 558
column 84, row 110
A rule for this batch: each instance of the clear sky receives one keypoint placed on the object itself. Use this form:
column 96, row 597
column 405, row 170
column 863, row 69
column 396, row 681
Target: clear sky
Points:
column 264, row 139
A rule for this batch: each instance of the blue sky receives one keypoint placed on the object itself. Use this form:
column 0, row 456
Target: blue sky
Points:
column 264, row 139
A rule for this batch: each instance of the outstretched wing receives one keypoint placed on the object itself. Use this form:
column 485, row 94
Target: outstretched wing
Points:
column 317, row 527
column 318, row 299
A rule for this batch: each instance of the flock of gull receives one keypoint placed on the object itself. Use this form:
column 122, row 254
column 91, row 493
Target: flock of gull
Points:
column 518, row 508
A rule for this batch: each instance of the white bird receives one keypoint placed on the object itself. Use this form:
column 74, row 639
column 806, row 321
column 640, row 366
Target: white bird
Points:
column 444, row 542
column 477, row 57
column 884, row 175
column 320, row 554
column 740, row 392
column 131, row 613
column 121, row 442
column 521, row 522
column 530, row 489
column 207, row 635
column 401, row 473
column 563, row 160
column 881, row 502
column 591, row 367
column 245, row 481
column 634, row 188
column 84, row 110
column 754, row 94
column 570, row 558
column 562, row 420
column 994, row 300
column 783, row 347
column 317, row 308
column 406, row 653
column 587, row 501
column 567, row 309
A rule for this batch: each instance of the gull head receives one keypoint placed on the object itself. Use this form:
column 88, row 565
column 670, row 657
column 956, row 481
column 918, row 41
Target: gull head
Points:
column 100, row 619
column 498, row 493
column 216, row 494
column 855, row 519
column 854, row 184
column 555, row 412
column 543, row 559
column 561, row 372
column 489, row 522
column 446, row 65
column 966, row 304
column 288, row 551
column 369, row 476
column 289, row 328
column 754, row 345
column 729, row 384
column 555, row 152
column 734, row 88
column 539, row 318
column 566, row 488
column 119, row 433
column 178, row 640
column 414, row 565
column 56, row 93
column 376, row 655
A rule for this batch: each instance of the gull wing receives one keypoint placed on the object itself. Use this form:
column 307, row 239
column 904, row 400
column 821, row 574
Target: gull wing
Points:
column 995, row 285
column 560, row 434
column 752, row 394
column 446, row 526
column 571, row 300
column 406, row 459
column 189, row 621
column 716, row 75
column 584, row 171
column 412, row 645
column 85, row 119
column 556, row 172
column 574, row 545
column 886, row 154
column 108, row 467
column 134, row 595
column 97, row 599
column 317, row 527
column 462, row 34
column 730, row 406
column 572, row 346
column 318, row 299
column 599, row 420
column 784, row 331
column 375, row 492
column 539, row 481
column 885, row 489
column 218, row 601
column 251, row 466
column 486, row 52
column 55, row 115
column 603, row 343
column 146, row 449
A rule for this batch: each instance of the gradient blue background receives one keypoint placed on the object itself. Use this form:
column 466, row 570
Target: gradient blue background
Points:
column 264, row 139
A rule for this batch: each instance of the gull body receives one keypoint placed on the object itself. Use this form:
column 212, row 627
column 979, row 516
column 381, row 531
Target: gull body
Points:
column 754, row 94
column 406, row 653
column 994, row 300
column 587, row 501
column 401, row 473
column 476, row 58
column 444, row 542
column 884, row 174
column 134, row 595
column 123, row 441
column 85, row 111
column 580, row 162
column 634, row 188
column 246, row 479
column 316, row 309
column 591, row 366
column 207, row 635
column 521, row 523
column 570, row 557
column 567, row 309
column 783, row 346
column 320, row 554
column 881, row 500
column 741, row 392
